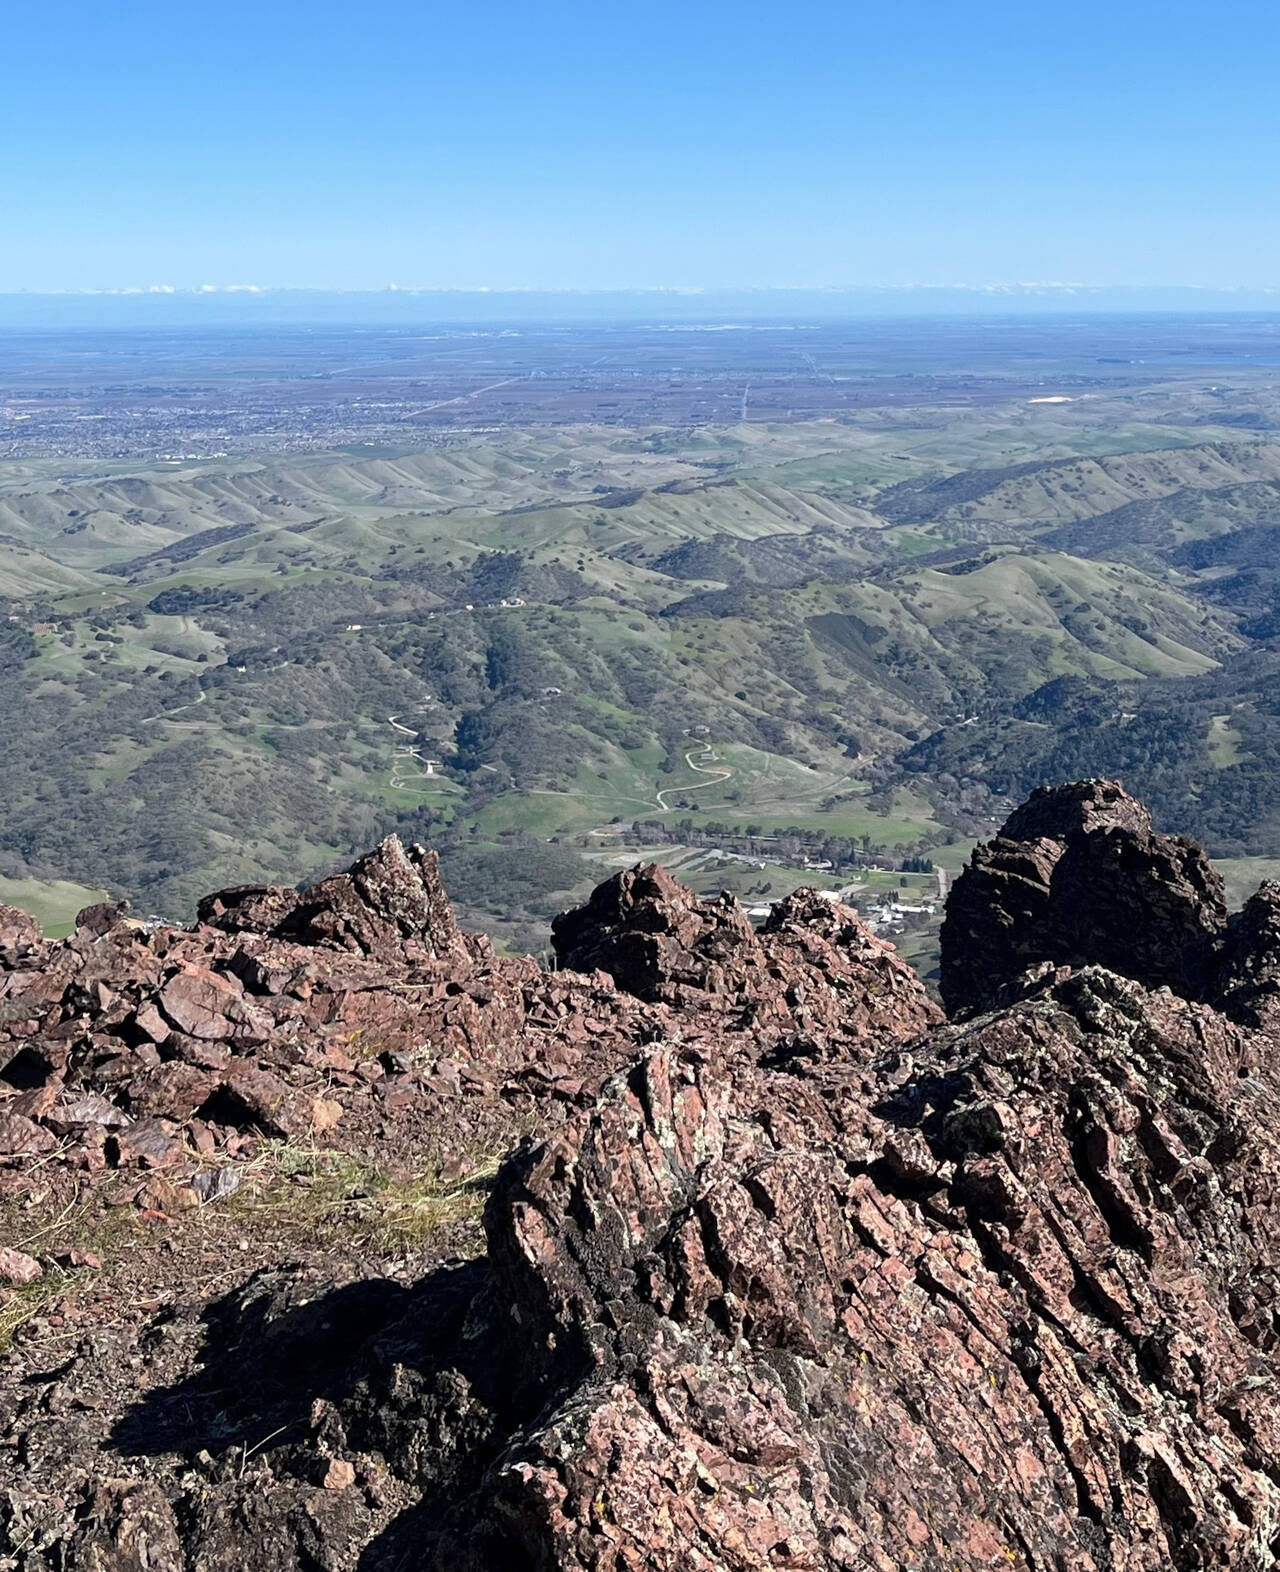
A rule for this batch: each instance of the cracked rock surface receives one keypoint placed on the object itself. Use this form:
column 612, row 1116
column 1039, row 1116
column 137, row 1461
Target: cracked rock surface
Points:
column 785, row 1271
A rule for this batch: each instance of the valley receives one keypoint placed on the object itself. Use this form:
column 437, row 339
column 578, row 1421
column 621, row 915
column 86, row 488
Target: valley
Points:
column 827, row 644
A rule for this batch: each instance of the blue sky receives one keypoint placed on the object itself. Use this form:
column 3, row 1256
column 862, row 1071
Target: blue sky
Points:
column 575, row 146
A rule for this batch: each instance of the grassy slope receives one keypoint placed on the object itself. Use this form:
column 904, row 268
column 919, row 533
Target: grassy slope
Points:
column 52, row 902
column 1243, row 875
column 289, row 764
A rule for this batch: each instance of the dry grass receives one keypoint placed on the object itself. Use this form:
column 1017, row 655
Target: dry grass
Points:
column 293, row 1200
column 81, row 1223
column 319, row 1196
column 23, row 1303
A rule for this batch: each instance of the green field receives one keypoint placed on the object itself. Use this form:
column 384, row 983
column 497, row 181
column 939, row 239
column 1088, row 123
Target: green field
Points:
column 1243, row 875
column 52, row 902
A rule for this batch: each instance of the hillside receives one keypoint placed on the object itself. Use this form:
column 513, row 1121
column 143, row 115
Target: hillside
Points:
column 1156, row 530
column 747, row 648
column 555, row 715
column 1068, row 490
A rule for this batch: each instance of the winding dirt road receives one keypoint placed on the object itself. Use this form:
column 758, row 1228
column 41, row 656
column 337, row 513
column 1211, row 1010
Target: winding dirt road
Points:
column 719, row 773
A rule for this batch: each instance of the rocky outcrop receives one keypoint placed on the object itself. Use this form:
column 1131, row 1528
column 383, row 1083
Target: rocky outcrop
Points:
column 388, row 904
column 1247, row 985
column 1078, row 877
column 281, row 1013
column 724, row 1306
column 786, row 1273
column 20, row 933
column 812, row 980
column 654, row 935
column 1057, row 813
column 758, row 1294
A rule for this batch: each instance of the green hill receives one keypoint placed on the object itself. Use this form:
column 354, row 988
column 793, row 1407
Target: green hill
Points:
column 762, row 634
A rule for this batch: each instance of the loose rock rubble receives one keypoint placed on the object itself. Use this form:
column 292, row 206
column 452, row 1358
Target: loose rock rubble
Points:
column 277, row 1016
column 789, row 1273
column 282, row 1013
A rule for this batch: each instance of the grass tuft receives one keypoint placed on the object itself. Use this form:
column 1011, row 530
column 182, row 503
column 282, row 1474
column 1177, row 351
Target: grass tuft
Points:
column 322, row 1196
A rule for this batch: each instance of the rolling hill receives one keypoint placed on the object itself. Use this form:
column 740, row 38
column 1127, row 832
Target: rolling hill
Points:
column 795, row 636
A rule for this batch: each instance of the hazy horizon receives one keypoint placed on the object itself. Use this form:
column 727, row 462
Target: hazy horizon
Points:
column 243, row 306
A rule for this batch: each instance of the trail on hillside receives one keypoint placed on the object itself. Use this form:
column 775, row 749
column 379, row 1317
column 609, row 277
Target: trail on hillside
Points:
column 719, row 773
column 168, row 714
column 401, row 778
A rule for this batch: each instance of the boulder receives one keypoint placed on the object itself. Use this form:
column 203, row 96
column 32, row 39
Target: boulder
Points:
column 101, row 918
column 1078, row 877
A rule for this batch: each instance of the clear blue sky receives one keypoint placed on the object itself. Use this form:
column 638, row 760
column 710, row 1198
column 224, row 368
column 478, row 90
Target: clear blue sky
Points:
column 566, row 145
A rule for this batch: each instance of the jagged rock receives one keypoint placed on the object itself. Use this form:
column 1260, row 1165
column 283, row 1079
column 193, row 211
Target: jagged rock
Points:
column 209, row 1006
column 258, row 1100
column 74, row 1112
column 1022, row 1265
column 1078, row 877
column 791, row 1273
column 1151, row 907
column 387, row 902
column 1247, row 986
column 814, row 974
column 172, row 1091
column 299, row 1526
column 1057, row 813
column 651, row 933
column 248, row 908
column 841, row 985
column 22, row 1137
column 725, row 1305
column 19, row 931
column 101, row 918
column 150, row 1143
column 391, row 896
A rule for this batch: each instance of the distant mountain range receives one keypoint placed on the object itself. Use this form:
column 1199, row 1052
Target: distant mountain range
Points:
column 241, row 304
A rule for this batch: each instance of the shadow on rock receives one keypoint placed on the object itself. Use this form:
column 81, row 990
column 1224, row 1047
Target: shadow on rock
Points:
column 339, row 1423
column 271, row 1349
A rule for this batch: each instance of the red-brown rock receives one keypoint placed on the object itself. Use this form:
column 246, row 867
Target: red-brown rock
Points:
column 813, row 980
column 650, row 933
column 386, row 901
column 20, row 933
column 18, row 1268
column 22, row 1137
column 789, row 1274
column 1078, row 877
